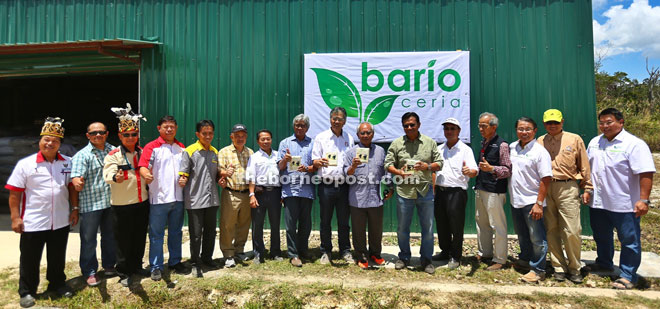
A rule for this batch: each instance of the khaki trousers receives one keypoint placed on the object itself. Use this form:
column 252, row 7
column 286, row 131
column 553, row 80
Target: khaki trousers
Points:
column 491, row 220
column 235, row 222
column 562, row 225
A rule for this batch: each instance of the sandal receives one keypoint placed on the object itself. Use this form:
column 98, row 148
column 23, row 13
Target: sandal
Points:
column 622, row 284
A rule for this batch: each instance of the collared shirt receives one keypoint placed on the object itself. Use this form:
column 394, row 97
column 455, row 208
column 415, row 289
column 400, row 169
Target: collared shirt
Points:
column 133, row 189
column 326, row 142
column 615, row 169
column 569, row 157
column 504, row 169
column 262, row 169
column 88, row 164
column 293, row 183
column 528, row 166
column 230, row 156
column 164, row 161
column 451, row 174
column 422, row 149
column 45, row 197
column 201, row 167
column 365, row 192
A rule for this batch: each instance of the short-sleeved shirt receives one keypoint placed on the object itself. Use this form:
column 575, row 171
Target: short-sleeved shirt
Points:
column 230, row 156
column 200, row 165
column 262, row 169
column 133, row 189
column 615, row 169
column 528, row 166
column 292, row 181
column 88, row 164
column 569, row 157
column 164, row 161
column 326, row 142
column 422, row 149
column 44, row 202
column 451, row 174
column 365, row 191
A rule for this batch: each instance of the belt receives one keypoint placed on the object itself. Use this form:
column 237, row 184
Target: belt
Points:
column 561, row 180
column 450, row 189
column 237, row 191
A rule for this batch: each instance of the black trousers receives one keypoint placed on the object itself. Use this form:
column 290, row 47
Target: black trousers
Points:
column 32, row 247
column 269, row 202
column 450, row 219
column 298, row 218
column 334, row 199
column 130, row 223
column 360, row 219
column 201, row 227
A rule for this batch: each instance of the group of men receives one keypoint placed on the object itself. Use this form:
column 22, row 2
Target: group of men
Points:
column 127, row 191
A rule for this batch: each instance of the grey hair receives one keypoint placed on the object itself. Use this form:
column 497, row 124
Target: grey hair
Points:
column 370, row 125
column 303, row 118
column 338, row 109
column 494, row 121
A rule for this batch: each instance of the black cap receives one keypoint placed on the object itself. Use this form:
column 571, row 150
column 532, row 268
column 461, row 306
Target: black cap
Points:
column 238, row 127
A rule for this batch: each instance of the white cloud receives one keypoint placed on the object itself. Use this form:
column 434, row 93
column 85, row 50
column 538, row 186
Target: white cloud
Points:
column 628, row 30
column 598, row 4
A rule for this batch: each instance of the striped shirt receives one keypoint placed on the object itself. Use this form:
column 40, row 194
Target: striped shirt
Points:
column 88, row 164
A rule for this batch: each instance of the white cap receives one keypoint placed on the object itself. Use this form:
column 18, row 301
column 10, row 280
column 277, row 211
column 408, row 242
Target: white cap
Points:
column 453, row 121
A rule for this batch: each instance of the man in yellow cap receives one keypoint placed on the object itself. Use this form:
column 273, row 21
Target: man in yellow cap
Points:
column 570, row 174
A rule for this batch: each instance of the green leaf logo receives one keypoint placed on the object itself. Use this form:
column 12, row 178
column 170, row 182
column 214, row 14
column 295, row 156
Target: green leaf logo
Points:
column 337, row 90
column 431, row 63
column 379, row 108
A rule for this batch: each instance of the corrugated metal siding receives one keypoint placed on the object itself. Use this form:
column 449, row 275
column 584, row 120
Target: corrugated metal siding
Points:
column 241, row 61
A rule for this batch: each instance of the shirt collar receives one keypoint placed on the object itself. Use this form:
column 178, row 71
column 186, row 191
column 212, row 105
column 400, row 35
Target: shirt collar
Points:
column 419, row 138
column 40, row 157
column 272, row 152
column 527, row 146
column 199, row 146
column 307, row 138
column 556, row 137
column 455, row 145
column 161, row 141
column 106, row 147
column 371, row 147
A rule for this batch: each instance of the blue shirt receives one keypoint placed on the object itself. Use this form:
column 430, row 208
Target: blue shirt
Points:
column 292, row 181
column 366, row 191
column 88, row 164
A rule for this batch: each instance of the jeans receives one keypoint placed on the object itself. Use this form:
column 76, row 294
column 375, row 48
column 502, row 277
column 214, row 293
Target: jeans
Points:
column 603, row 222
column 531, row 236
column 269, row 202
column 450, row 219
column 404, row 212
column 161, row 215
column 89, row 226
column 298, row 218
column 334, row 198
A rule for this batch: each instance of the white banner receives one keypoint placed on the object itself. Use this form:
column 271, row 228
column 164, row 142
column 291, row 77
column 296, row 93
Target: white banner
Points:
column 381, row 87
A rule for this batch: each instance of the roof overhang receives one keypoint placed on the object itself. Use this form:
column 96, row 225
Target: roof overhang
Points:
column 79, row 57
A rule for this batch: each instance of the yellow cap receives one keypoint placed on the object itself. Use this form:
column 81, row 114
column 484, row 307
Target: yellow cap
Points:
column 552, row 115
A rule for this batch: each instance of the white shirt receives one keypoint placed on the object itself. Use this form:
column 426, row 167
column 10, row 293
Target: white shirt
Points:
column 44, row 204
column 451, row 174
column 615, row 169
column 262, row 169
column 326, row 142
column 164, row 161
column 528, row 166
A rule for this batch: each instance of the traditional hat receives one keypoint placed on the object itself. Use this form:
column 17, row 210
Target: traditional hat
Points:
column 53, row 127
column 128, row 121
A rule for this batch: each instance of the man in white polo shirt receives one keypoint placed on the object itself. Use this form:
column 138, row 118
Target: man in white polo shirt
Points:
column 451, row 193
column 531, row 172
column 622, row 174
column 39, row 205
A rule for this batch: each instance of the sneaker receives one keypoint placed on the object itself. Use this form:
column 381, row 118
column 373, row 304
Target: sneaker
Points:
column 363, row 264
column 296, row 262
column 495, row 267
column 453, row 263
column 401, row 264
column 348, row 257
column 27, row 301
column 179, row 268
column 377, row 260
column 577, row 278
column 429, row 268
column 532, row 277
column 440, row 257
column 156, row 275
column 197, row 272
column 559, row 276
column 325, row 259
column 125, row 281
column 93, row 280
column 64, row 291
column 229, row 262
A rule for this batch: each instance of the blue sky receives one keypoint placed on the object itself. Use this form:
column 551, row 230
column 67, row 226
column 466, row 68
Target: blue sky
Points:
column 626, row 32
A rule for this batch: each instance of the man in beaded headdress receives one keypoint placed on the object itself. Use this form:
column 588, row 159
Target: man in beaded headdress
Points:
column 39, row 204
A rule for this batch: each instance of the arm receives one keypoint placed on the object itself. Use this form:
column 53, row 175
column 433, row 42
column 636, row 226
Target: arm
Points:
column 73, row 197
column 537, row 210
column 184, row 169
column 645, row 184
column 391, row 159
column 16, row 220
column 504, row 169
column 78, row 171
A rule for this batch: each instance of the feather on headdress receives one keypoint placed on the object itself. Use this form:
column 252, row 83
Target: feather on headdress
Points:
column 128, row 121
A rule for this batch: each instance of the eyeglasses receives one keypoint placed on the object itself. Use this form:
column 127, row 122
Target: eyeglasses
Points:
column 93, row 133
column 483, row 125
column 338, row 119
column 410, row 125
column 299, row 126
column 129, row 134
column 522, row 130
column 365, row 133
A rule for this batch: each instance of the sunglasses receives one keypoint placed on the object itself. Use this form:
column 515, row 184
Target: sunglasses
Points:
column 129, row 134
column 93, row 133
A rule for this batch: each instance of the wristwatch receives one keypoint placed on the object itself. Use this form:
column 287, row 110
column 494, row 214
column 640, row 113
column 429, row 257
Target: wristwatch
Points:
column 540, row 203
column 251, row 194
column 647, row 202
column 429, row 167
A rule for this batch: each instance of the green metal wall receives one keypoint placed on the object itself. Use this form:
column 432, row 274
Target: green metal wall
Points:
column 242, row 61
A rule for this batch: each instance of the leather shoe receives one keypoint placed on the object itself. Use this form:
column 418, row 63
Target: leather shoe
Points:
column 27, row 301
column 495, row 266
column 401, row 264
